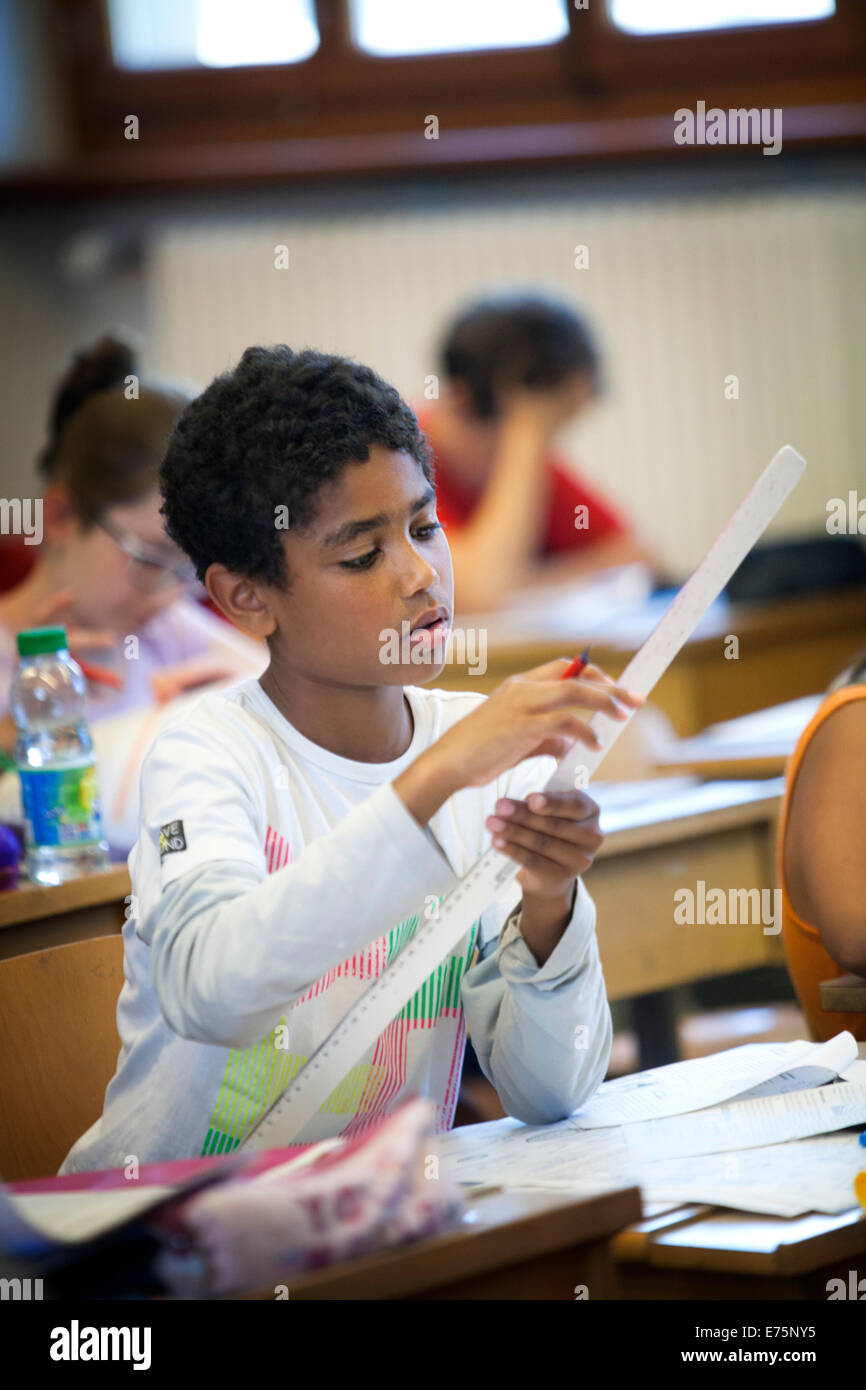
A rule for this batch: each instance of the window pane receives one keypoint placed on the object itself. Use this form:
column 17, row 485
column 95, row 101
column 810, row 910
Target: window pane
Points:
column 392, row 27
column 216, row 33
column 671, row 16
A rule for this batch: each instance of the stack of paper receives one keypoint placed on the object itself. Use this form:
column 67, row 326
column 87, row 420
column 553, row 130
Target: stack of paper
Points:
column 736, row 1129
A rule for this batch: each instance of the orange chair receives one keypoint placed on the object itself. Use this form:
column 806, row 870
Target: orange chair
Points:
column 807, row 957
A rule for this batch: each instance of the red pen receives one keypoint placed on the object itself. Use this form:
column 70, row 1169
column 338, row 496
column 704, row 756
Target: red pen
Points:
column 575, row 667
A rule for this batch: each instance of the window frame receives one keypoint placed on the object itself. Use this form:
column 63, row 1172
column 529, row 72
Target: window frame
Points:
column 594, row 78
column 802, row 47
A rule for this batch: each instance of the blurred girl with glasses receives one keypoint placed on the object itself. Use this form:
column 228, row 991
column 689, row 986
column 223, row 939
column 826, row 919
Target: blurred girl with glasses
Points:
column 105, row 568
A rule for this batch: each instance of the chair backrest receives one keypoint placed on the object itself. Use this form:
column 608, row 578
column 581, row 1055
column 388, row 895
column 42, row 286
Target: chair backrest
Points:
column 58, row 1050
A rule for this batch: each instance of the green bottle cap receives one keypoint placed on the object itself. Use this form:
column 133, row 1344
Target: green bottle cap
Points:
column 34, row 640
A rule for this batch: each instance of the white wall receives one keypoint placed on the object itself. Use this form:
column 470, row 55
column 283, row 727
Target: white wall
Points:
column 686, row 292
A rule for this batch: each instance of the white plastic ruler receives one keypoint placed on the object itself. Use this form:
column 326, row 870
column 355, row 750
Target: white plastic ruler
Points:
column 385, row 997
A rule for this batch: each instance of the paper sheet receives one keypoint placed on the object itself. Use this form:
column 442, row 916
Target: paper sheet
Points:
column 750, row 1123
column 786, row 721
column 759, row 1068
column 774, row 1180
column 626, row 804
column 778, row 1179
column 510, row 1153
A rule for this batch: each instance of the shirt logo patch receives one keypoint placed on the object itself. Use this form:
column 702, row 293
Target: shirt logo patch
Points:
column 171, row 838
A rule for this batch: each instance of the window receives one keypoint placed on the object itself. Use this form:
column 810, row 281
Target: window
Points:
column 393, row 28
column 153, row 34
column 279, row 89
column 679, row 16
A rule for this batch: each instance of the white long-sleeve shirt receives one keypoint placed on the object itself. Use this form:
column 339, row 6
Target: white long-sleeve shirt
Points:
column 272, row 881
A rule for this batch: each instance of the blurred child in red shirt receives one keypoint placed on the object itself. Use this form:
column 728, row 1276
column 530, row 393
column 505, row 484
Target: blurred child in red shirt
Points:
column 513, row 371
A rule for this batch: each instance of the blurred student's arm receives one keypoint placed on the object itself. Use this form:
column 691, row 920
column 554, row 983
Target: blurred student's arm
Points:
column 580, row 564
column 496, row 545
column 825, row 843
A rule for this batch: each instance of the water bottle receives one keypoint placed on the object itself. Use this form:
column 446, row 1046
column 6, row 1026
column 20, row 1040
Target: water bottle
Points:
column 54, row 757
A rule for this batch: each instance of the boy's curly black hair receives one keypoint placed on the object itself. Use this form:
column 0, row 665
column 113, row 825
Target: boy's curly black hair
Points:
column 268, row 434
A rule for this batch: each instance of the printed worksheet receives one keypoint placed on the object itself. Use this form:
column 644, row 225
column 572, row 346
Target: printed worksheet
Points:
column 737, row 1073
column 505, row 1152
column 774, row 1180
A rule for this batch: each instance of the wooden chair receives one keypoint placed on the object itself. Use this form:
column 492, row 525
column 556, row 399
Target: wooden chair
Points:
column 844, row 994
column 59, row 1048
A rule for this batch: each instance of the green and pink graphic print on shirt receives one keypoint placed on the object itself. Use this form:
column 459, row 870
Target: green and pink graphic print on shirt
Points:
column 419, row 1053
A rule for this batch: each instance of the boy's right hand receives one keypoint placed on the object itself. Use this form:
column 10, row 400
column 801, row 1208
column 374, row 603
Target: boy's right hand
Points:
column 532, row 714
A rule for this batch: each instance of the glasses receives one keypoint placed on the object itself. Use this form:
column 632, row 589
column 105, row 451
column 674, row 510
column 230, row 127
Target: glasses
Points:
column 154, row 569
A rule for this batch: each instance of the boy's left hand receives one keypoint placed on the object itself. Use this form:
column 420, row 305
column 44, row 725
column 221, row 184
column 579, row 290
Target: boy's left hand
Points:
column 554, row 835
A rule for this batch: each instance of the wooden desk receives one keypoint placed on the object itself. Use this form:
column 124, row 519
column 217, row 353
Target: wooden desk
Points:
column 722, row 832
column 755, row 745
column 526, row 1245
column 711, row 1252
column 844, row 994
column 705, row 1252
column 787, row 648
column 35, row 916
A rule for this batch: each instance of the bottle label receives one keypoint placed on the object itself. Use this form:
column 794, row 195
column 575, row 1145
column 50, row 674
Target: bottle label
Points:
column 61, row 805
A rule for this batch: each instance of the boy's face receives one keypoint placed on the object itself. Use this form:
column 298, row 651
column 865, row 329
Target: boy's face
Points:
column 353, row 587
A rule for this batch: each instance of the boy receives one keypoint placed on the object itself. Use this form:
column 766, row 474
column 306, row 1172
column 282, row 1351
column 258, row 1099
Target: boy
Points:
column 516, row 369
column 295, row 825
